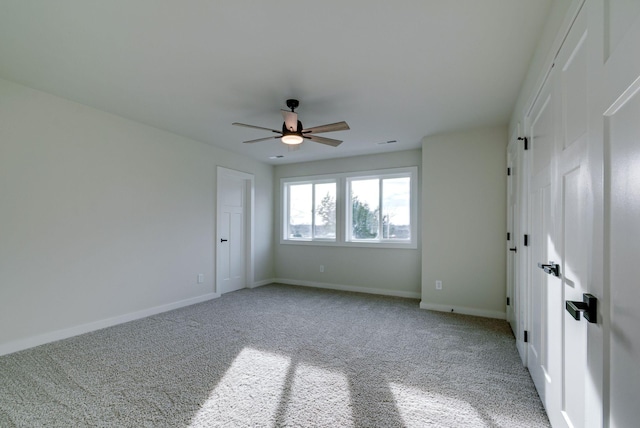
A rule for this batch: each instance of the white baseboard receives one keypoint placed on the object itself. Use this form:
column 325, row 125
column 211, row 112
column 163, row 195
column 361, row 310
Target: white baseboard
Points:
column 522, row 351
column 381, row 291
column 464, row 310
column 41, row 339
column 261, row 283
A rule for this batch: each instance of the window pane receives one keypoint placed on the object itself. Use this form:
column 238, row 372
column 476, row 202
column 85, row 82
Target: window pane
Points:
column 365, row 210
column 300, row 205
column 396, row 211
column 325, row 219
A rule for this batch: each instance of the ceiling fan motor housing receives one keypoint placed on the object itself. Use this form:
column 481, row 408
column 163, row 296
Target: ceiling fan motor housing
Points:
column 286, row 131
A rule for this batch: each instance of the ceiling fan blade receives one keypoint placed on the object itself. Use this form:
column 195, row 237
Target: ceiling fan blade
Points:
column 338, row 126
column 255, row 127
column 260, row 139
column 324, row 140
column 290, row 120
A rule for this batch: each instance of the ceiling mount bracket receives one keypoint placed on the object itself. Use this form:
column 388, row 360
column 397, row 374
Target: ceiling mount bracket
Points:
column 293, row 104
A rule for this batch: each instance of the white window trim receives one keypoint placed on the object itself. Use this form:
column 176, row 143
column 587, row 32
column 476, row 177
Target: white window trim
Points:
column 285, row 208
column 342, row 216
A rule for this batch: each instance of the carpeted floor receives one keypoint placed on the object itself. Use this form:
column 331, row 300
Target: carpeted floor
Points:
column 277, row 356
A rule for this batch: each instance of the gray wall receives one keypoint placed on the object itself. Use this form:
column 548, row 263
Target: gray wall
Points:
column 104, row 219
column 378, row 270
column 464, row 221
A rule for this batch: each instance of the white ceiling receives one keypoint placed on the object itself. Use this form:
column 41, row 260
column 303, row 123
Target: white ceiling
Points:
column 394, row 70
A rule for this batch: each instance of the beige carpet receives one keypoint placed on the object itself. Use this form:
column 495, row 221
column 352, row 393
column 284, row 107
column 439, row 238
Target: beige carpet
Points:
column 277, row 356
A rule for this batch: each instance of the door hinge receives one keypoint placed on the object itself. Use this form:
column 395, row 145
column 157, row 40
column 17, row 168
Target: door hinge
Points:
column 508, row 302
column 508, row 171
column 526, row 336
column 526, row 142
column 526, row 240
column 508, row 236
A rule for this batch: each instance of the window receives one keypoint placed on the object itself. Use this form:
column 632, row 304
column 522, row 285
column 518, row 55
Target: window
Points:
column 372, row 208
column 380, row 208
column 311, row 210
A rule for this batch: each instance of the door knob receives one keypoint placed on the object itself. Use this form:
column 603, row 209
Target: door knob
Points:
column 589, row 306
column 551, row 268
column 223, row 240
column 514, row 249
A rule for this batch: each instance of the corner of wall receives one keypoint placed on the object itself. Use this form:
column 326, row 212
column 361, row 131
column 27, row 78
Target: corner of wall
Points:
column 463, row 221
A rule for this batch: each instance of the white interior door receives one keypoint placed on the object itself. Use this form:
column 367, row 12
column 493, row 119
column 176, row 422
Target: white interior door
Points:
column 574, row 231
column 584, row 204
column 231, row 226
column 562, row 227
column 513, row 230
column 544, row 343
column 622, row 136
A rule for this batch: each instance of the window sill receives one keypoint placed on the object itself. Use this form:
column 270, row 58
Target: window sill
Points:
column 358, row 244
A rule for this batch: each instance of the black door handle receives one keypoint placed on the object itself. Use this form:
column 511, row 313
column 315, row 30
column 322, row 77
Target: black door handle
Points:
column 514, row 249
column 551, row 268
column 223, row 240
column 589, row 306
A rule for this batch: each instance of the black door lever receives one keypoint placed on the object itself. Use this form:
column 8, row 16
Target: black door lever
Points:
column 223, row 240
column 589, row 306
column 514, row 249
column 551, row 268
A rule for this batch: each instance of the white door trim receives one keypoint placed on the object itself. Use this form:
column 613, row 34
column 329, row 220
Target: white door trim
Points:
column 518, row 224
column 249, row 180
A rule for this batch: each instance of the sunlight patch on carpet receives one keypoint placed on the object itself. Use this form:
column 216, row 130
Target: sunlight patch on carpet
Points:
column 432, row 409
column 250, row 391
column 319, row 397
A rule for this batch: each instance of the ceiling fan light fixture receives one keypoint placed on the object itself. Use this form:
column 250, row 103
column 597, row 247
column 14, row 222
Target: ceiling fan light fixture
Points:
column 292, row 139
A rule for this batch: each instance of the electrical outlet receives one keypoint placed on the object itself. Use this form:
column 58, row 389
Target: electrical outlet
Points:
column 200, row 278
column 321, row 268
column 438, row 285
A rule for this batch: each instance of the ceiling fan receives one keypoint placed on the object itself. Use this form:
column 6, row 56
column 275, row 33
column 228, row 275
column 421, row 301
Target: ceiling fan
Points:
column 293, row 133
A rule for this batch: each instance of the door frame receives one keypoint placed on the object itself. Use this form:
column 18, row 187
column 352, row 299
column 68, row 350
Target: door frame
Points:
column 249, row 182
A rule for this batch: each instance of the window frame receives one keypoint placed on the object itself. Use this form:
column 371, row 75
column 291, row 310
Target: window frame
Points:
column 286, row 208
column 380, row 232
column 343, row 206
